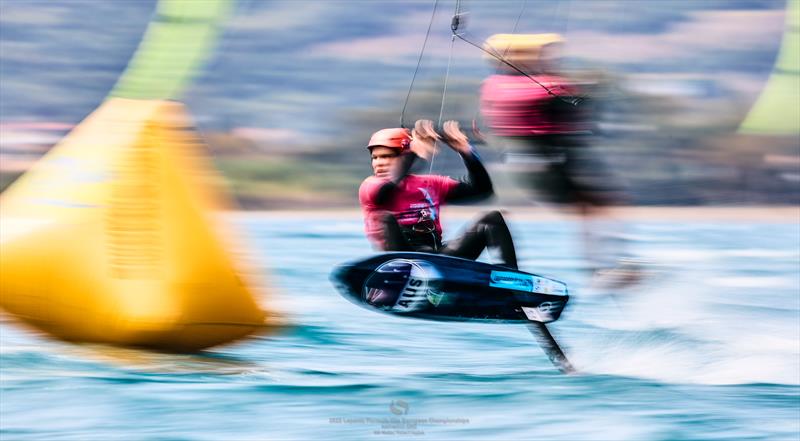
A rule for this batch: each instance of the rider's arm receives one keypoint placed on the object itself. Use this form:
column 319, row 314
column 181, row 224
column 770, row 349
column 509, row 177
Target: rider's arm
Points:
column 476, row 185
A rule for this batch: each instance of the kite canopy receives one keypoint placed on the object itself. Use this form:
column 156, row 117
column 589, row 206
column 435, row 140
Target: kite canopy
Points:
column 777, row 110
column 179, row 39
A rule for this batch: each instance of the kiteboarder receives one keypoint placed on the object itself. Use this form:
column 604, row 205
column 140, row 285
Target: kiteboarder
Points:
column 401, row 210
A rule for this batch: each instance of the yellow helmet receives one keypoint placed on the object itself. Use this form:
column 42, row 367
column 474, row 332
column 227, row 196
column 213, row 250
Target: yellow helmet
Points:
column 519, row 47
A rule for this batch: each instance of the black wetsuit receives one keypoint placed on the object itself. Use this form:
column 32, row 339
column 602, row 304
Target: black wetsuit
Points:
column 488, row 231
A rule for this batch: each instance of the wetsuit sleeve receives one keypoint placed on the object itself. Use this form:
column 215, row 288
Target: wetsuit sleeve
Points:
column 476, row 185
column 385, row 192
column 372, row 211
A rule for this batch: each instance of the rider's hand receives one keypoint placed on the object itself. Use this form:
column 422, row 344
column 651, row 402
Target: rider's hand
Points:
column 423, row 139
column 455, row 138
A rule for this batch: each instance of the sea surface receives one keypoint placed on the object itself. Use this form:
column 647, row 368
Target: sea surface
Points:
column 707, row 348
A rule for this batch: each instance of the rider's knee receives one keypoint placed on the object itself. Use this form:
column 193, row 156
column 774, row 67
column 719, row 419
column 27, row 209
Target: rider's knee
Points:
column 494, row 217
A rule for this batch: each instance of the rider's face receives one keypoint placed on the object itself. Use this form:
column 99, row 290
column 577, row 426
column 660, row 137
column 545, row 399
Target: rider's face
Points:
column 383, row 161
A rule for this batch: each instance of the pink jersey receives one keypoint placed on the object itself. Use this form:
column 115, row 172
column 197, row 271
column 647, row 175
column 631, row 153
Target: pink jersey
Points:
column 513, row 105
column 416, row 197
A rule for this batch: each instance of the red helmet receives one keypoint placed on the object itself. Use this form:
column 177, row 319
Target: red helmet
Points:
column 398, row 138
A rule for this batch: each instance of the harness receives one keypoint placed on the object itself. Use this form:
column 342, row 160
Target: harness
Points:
column 422, row 235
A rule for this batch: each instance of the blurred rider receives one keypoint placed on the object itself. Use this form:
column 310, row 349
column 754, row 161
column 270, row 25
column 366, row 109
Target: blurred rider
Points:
column 546, row 132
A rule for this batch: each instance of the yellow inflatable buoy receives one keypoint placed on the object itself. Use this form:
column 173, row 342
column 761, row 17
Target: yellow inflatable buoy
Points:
column 112, row 237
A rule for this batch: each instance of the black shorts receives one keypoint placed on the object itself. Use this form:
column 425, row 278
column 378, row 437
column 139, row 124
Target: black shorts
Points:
column 562, row 169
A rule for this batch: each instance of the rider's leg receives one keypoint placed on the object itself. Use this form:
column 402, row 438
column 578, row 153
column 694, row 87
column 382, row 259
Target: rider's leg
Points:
column 489, row 231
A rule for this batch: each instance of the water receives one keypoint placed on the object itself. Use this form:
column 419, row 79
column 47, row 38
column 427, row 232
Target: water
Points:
column 708, row 349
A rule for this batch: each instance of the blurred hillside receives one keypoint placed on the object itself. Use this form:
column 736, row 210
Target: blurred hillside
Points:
column 669, row 150
column 294, row 93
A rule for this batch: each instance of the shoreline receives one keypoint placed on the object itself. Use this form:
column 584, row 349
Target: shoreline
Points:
column 767, row 214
